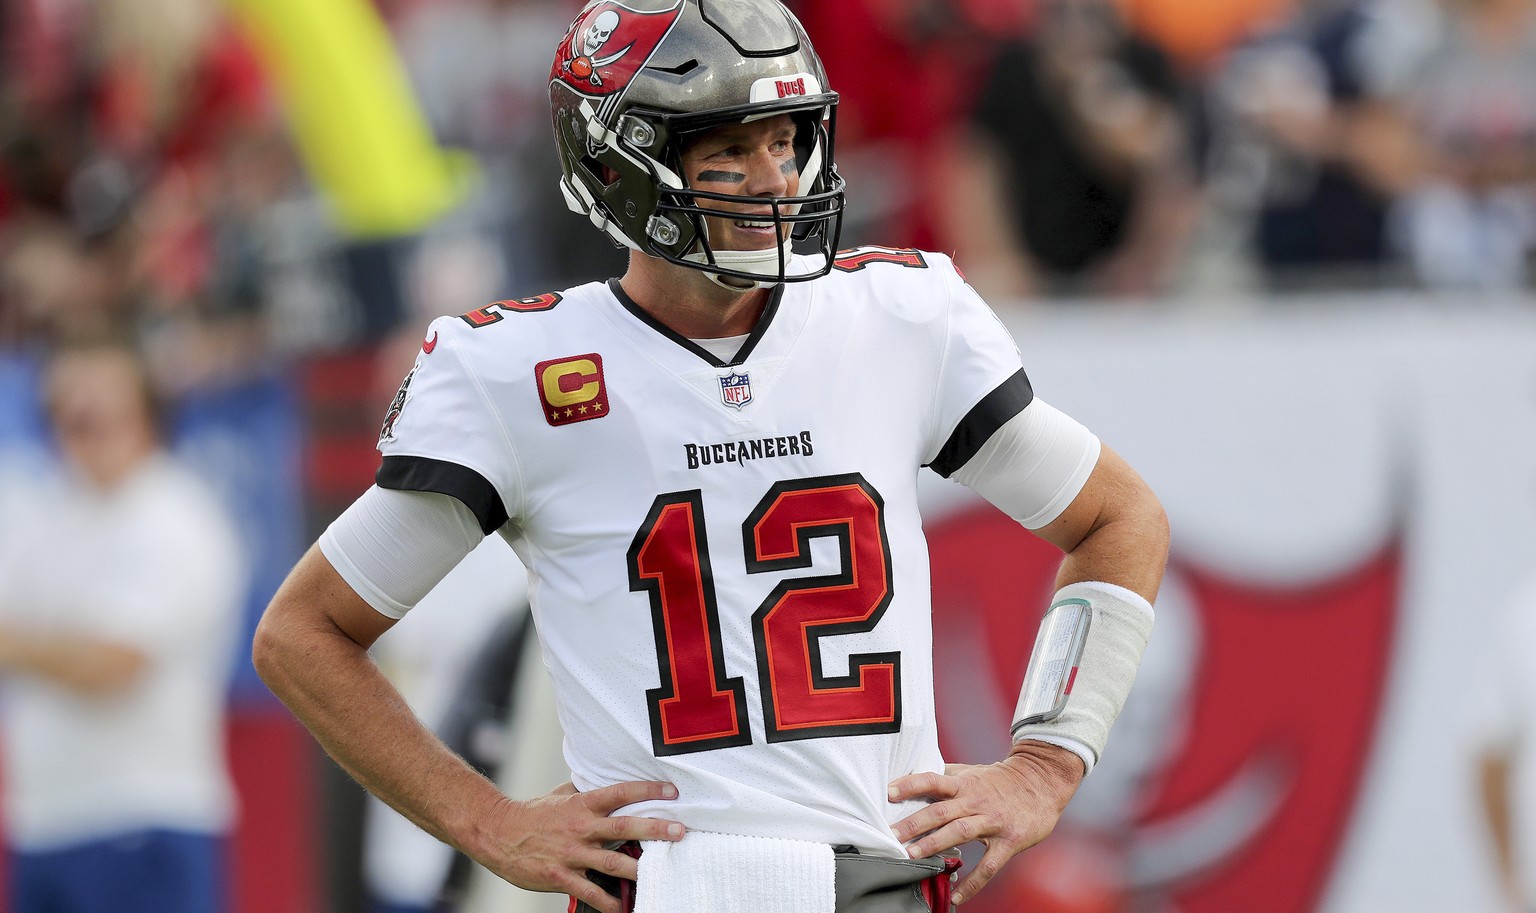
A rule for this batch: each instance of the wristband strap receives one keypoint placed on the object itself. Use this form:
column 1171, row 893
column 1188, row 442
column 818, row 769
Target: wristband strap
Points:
column 1085, row 661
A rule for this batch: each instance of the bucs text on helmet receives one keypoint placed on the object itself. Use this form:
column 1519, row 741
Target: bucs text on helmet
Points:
column 632, row 80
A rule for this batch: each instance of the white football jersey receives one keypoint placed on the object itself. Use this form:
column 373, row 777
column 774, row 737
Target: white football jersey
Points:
column 727, row 565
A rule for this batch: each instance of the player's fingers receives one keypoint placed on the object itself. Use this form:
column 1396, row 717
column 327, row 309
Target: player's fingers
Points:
column 593, row 896
column 564, row 789
column 926, row 819
column 991, row 863
column 610, row 798
column 611, row 862
column 625, row 828
column 930, row 785
column 951, row 835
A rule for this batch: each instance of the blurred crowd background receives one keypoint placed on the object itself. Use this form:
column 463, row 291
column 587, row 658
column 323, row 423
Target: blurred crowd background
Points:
column 272, row 203
column 165, row 165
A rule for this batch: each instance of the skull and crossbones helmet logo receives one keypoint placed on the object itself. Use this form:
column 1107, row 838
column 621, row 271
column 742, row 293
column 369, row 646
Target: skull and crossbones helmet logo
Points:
column 598, row 34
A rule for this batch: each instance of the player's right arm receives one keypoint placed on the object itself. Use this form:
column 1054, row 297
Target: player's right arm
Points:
column 381, row 556
column 311, row 649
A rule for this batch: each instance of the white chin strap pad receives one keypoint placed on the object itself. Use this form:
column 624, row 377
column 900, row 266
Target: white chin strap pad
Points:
column 760, row 262
column 1084, row 663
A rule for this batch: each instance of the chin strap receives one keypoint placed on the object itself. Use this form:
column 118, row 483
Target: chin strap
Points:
column 760, row 262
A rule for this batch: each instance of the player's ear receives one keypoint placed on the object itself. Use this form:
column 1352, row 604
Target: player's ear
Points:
column 609, row 175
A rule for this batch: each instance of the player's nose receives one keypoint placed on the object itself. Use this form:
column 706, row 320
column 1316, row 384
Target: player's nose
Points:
column 766, row 176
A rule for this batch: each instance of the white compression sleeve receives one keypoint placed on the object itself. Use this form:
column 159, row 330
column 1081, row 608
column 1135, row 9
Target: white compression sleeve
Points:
column 1034, row 465
column 392, row 547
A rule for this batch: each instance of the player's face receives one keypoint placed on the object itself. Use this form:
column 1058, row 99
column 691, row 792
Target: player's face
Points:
column 753, row 160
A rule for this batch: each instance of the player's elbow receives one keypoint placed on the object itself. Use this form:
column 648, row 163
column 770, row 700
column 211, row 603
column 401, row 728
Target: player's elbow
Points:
column 266, row 647
column 1133, row 535
column 1154, row 521
column 1145, row 524
column 1130, row 505
column 298, row 635
column 276, row 645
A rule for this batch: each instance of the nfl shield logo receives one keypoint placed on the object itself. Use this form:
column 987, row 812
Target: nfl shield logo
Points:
column 736, row 390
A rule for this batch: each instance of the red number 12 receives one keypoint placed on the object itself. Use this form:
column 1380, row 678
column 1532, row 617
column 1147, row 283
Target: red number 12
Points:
column 698, row 707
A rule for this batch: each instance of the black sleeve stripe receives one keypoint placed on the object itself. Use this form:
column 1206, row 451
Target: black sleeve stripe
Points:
column 994, row 411
column 409, row 473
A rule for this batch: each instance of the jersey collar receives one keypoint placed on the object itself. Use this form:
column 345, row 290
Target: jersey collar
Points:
column 775, row 296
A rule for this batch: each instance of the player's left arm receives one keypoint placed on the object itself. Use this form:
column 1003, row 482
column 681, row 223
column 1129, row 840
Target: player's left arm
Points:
column 1115, row 536
column 1114, row 531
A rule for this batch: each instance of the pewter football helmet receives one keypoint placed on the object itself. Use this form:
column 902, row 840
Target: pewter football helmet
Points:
column 632, row 79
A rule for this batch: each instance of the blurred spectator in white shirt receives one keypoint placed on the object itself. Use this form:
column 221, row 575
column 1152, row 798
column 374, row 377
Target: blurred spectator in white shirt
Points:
column 120, row 588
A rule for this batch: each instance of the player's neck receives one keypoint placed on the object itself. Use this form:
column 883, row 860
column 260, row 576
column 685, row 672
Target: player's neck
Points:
column 688, row 303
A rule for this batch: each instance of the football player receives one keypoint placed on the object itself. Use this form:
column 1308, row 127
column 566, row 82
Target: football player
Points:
column 710, row 468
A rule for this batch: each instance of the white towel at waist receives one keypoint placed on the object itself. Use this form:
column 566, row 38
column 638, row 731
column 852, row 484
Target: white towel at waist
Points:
column 725, row 873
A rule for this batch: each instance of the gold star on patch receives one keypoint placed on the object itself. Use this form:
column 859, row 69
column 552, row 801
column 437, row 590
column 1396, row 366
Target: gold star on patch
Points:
column 569, row 413
column 597, row 407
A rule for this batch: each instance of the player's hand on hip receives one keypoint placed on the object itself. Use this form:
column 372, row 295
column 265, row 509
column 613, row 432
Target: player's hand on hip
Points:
column 549, row 843
column 1009, row 806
